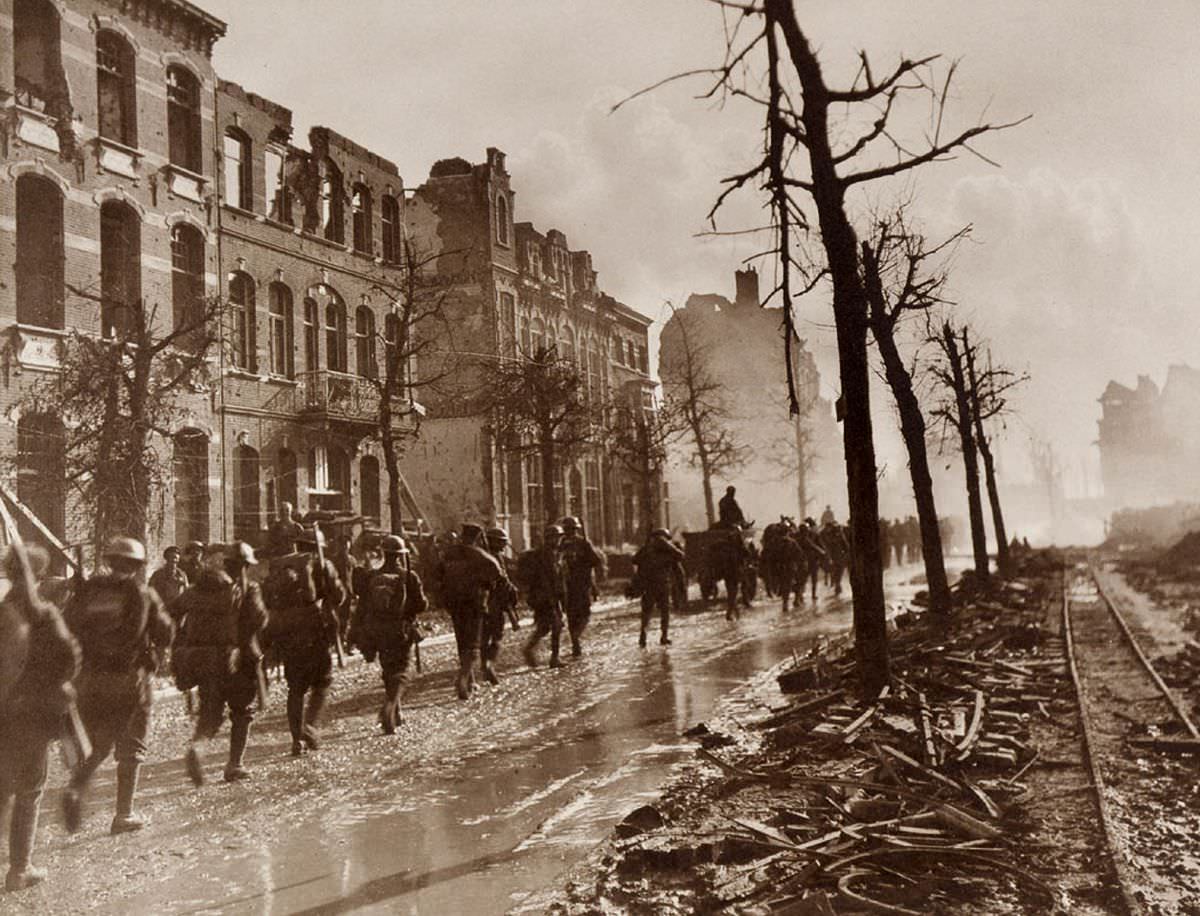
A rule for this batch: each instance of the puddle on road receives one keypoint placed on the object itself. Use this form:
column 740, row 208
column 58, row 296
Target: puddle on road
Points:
column 538, row 780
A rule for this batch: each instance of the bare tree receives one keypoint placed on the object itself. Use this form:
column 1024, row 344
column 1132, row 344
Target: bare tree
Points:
column 121, row 397
column 989, row 388
column 898, row 282
column 956, row 413
column 416, row 328
column 805, row 163
column 639, row 437
column 791, row 452
column 689, row 383
column 540, row 407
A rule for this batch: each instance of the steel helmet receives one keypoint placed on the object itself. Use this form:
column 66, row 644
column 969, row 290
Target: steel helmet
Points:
column 661, row 533
column 470, row 533
column 570, row 523
column 125, row 549
column 555, row 530
column 393, row 544
column 241, row 552
column 497, row 538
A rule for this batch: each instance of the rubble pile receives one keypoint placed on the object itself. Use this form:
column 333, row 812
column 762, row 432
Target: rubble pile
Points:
column 1183, row 557
column 905, row 802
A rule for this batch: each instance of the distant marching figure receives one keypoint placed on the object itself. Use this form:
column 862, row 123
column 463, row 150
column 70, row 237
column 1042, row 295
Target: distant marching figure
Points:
column 543, row 574
column 465, row 577
column 655, row 563
column 502, row 605
column 583, row 561
column 221, row 619
column 122, row 628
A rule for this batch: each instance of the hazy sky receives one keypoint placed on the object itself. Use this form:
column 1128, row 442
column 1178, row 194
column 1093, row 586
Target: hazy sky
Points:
column 1084, row 249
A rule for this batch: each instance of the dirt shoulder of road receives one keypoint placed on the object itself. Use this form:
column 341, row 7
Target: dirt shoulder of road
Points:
column 965, row 789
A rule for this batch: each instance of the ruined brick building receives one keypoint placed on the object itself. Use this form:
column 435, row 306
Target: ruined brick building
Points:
column 743, row 350
column 515, row 289
column 131, row 172
column 1149, row 440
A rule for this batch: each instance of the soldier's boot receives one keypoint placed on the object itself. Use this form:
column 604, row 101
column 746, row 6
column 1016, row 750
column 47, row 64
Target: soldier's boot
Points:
column 191, row 762
column 21, row 832
column 72, row 806
column 295, row 715
column 308, row 734
column 127, row 779
column 528, row 651
column 389, row 715
column 239, row 734
column 555, row 639
column 489, row 670
column 664, row 638
column 642, row 638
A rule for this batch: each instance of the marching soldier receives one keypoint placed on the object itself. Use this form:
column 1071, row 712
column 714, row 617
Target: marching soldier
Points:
column 192, row 560
column 837, row 550
column 544, row 575
column 122, row 629
column 302, row 596
column 502, row 605
column 582, row 561
column 385, row 624
column 169, row 580
column 466, row 576
column 221, row 617
column 38, row 659
column 656, row 562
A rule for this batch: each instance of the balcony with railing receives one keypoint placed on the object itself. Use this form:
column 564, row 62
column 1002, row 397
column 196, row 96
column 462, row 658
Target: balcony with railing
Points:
column 325, row 395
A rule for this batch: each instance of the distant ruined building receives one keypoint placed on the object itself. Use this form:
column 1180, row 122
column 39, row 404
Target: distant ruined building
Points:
column 745, row 346
column 1150, row 440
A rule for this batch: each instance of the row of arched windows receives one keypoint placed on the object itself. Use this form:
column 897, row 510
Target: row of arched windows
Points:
column 41, row 256
column 326, row 341
column 238, row 176
column 38, row 74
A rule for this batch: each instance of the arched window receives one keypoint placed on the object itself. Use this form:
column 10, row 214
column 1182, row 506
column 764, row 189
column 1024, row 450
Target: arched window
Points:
column 335, row 336
column 37, row 56
column 279, row 196
column 566, row 346
column 242, row 321
column 183, row 119
column 389, row 218
column 333, row 221
column 41, row 471
column 287, row 486
column 339, row 479
column 120, row 267
column 187, row 277
column 361, row 204
column 39, row 267
column 238, row 173
column 364, row 343
column 537, row 338
column 247, row 512
column 312, row 335
column 191, row 486
column 368, row 484
column 525, row 340
column 280, row 332
column 116, row 88
column 501, row 218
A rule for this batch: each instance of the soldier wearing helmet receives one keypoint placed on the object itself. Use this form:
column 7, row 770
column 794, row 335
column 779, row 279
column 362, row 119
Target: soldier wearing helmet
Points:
column 465, row 576
column 385, row 624
column 654, row 566
column 502, row 605
column 583, row 562
column 544, row 577
column 122, row 629
column 222, row 617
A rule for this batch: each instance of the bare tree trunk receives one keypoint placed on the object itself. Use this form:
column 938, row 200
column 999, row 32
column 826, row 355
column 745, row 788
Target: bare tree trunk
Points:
column 706, row 475
column 549, row 467
column 912, row 427
column 801, row 470
column 989, row 464
column 965, row 428
column 850, row 314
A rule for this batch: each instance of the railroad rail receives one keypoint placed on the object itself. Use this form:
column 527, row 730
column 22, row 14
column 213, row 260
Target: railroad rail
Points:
column 1092, row 741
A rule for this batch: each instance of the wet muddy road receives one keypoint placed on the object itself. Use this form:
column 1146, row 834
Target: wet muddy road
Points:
column 468, row 809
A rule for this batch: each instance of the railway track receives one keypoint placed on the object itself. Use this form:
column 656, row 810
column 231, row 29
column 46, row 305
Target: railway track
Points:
column 1126, row 710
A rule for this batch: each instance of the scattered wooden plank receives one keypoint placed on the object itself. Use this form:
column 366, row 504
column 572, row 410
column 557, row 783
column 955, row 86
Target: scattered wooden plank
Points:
column 1180, row 745
column 964, row 747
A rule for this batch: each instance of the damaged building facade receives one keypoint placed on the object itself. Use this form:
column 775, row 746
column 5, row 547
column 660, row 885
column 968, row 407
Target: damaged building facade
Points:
column 133, row 173
column 742, row 350
column 510, row 290
column 1149, row 440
